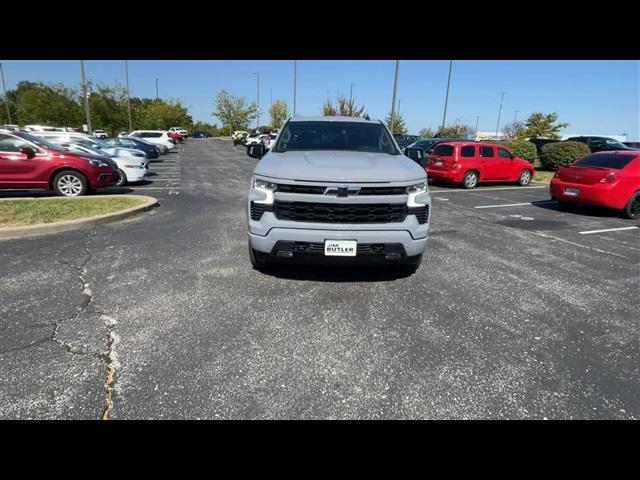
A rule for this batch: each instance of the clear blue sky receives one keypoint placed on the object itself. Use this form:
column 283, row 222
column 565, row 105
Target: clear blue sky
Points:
column 593, row 96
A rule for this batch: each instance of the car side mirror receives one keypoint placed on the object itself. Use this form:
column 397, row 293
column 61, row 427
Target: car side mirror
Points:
column 29, row 152
column 414, row 154
column 256, row 151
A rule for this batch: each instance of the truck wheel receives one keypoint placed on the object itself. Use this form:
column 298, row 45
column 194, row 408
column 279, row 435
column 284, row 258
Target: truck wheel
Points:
column 257, row 263
column 412, row 266
column 632, row 210
column 70, row 183
column 470, row 180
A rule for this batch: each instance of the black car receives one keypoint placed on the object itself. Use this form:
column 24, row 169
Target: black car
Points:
column 405, row 140
column 600, row 144
column 428, row 144
column 150, row 150
column 200, row 134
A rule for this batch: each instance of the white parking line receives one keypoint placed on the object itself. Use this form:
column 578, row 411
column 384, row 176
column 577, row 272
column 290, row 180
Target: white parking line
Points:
column 515, row 204
column 480, row 190
column 505, row 205
column 587, row 232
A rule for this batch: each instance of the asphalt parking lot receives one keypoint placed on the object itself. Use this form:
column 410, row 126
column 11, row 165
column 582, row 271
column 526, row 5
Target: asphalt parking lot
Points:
column 518, row 311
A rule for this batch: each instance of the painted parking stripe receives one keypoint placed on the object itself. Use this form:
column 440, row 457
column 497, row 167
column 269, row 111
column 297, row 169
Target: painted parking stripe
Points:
column 515, row 204
column 587, row 232
column 480, row 190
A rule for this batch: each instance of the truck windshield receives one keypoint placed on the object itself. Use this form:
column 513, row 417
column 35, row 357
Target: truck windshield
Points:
column 327, row 135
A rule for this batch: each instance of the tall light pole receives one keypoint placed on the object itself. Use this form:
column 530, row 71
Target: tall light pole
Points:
column 351, row 93
column 86, row 97
column 515, row 118
column 499, row 113
column 258, row 119
column 395, row 92
column 295, row 80
column 446, row 98
column 399, row 100
column 126, row 72
column 4, row 91
column 475, row 133
column 271, row 94
column 157, row 94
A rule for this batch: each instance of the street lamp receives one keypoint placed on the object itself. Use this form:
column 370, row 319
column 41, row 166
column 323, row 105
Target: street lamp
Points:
column 126, row 72
column 351, row 93
column 86, row 97
column 500, row 113
column 295, row 80
column 395, row 92
column 157, row 94
column 446, row 98
column 4, row 90
column 475, row 134
column 258, row 118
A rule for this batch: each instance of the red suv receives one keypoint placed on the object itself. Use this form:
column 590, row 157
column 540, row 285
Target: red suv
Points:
column 29, row 162
column 607, row 179
column 470, row 163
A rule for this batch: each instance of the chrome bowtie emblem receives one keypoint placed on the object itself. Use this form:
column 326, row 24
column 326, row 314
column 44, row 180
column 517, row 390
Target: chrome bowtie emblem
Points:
column 342, row 190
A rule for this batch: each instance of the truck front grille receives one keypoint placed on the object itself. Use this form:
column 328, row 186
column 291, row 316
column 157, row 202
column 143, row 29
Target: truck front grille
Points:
column 340, row 213
column 320, row 189
column 258, row 209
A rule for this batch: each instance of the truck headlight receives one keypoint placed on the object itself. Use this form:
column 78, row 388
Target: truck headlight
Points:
column 417, row 188
column 266, row 188
column 413, row 192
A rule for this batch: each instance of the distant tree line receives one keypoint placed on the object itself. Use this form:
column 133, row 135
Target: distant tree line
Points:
column 37, row 103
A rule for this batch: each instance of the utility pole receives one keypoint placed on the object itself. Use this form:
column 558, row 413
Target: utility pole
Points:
column 446, row 98
column 157, row 94
column 395, row 92
column 500, row 113
column 295, row 79
column 4, row 90
column 258, row 119
column 86, row 97
column 126, row 72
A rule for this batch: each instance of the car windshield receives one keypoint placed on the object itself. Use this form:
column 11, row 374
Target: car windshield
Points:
column 41, row 142
column 606, row 160
column 100, row 143
column 329, row 135
column 87, row 149
column 423, row 144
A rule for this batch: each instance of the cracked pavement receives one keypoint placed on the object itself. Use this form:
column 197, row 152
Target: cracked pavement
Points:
column 161, row 316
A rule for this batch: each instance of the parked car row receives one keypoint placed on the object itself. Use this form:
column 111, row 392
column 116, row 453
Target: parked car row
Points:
column 73, row 163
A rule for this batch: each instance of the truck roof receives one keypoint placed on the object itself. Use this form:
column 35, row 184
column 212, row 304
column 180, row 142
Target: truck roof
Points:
column 332, row 119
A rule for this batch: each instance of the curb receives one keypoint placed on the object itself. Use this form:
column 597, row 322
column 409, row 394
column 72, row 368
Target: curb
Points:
column 11, row 233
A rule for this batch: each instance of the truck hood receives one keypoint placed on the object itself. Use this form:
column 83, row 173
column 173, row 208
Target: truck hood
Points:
column 339, row 166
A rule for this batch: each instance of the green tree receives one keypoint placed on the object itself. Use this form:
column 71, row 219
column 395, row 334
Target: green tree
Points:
column 233, row 111
column 456, row 130
column 279, row 113
column 164, row 114
column 398, row 124
column 199, row 126
column 343, row 107
column 426, row 132
column 540, row 125
column 39, row 103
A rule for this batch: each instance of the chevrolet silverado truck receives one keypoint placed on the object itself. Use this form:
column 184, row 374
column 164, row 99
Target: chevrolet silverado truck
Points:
column 337, row 190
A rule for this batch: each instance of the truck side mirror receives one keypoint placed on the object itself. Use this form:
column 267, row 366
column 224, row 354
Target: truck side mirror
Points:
column 414, row 154
column 257, row 150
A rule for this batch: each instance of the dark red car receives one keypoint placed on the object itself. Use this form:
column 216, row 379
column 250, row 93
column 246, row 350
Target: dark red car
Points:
column 607, row 179
column 470, row 163
column 29, row 162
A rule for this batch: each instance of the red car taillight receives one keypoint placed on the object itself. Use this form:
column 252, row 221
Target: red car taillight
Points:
column 609, row 178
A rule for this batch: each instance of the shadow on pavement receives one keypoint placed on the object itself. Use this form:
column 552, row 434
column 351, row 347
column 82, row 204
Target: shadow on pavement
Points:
column 580, row 209
column 336, row 274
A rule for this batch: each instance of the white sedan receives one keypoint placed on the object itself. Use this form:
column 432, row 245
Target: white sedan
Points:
column 130, row 170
